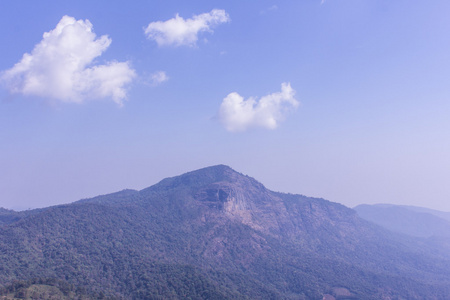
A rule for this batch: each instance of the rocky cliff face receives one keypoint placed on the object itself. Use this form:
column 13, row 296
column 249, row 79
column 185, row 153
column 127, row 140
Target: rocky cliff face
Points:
column 244, row 202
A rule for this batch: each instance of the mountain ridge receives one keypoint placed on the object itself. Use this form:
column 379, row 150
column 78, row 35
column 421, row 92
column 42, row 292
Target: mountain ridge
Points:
column 414, row 221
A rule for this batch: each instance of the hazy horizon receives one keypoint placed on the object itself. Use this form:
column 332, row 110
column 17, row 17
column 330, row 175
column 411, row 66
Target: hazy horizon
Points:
column 346, row 101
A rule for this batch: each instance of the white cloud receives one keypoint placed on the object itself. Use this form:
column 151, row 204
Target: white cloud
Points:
column 60, row 67
column 272, row 8
column 180, row 32
column 158, row 77
column 237, row 114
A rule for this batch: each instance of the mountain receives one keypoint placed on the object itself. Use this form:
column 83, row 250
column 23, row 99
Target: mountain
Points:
column 411, row 220
column 217, row 234
column 441, row 214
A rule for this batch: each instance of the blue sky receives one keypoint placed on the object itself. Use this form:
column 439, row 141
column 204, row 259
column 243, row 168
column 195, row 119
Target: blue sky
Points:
column 344, row 100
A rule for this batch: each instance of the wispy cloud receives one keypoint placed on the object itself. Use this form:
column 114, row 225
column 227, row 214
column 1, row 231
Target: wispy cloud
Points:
column 237, row 114
column 157, row 78
column 60, row 67
column 180, row 32
column 269, row 9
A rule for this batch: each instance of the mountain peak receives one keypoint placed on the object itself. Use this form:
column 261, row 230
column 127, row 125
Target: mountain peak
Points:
column 204, row 177
column 218, row 171
column 219, row 192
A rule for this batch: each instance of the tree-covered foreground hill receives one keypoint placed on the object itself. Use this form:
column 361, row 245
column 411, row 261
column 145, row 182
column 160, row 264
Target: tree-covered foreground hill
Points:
column 217, row 234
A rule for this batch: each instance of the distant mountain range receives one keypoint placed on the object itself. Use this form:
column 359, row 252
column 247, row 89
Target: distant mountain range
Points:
column 213, row 234
column 411, row 220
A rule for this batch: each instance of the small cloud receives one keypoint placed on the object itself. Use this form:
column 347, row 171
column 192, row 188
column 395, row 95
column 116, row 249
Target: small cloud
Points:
column 59, row 67
column 180, row 32
column 237, row 114
column 158, row 77
column 272, row 8
column 322, row 2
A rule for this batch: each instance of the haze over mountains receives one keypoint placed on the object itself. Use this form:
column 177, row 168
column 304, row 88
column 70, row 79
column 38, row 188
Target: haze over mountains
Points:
column 217, row 234
column 411, row 220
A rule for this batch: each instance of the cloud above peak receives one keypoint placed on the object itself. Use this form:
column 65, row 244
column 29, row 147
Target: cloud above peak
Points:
column 184, row 32
column 60, row 67
column 237, row 114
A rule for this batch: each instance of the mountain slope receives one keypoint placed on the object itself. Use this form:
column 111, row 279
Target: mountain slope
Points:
column 215, row 233
column 441, row 214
